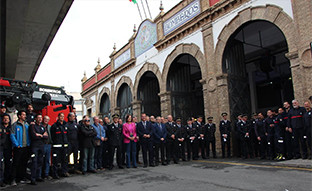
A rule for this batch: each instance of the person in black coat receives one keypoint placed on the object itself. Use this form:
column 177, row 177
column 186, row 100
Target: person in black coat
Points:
column 38, row 135
column 181, row 136
column 270, row 126
column 243, row 129
column 225, row 132
column 7, row 147
column 261, row 135
column 191, row 140
column 114, row 132
column 159, row 137
column 210, row 129
column 3, row 138
column 145, row 133
column 171, row 142
column 88, row 134
column 202, row 141
column 308, row 125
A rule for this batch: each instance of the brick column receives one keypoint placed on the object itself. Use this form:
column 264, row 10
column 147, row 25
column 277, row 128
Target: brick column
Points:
column 136, row 107
column 165, row 103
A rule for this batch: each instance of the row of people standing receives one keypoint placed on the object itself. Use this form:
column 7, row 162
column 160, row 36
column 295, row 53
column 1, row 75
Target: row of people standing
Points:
column 283, row 134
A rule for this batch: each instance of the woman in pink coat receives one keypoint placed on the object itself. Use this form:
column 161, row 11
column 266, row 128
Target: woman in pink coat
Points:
column 130, row 139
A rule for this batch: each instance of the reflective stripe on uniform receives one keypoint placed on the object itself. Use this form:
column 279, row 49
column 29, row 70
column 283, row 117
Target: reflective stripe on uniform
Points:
column 33, row 155
column 65, row 145
column 57, row 146
column 297, row 116
column 280, row 141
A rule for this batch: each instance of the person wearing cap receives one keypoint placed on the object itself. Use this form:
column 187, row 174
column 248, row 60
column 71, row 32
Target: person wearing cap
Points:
column 196, row 126
column 243, row 129
column 114, row 132
column 145, row 133
column 38, row 135
column 210, row 129
column 225, row 132
column 202, row 142
column 59, row 147
column 181, row 136
column 171, row 142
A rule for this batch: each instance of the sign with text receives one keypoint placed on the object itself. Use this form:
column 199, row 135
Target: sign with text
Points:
column 186, row 14
column 123, row 58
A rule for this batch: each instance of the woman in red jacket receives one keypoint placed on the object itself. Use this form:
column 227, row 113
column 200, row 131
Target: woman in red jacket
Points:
column 130, row 139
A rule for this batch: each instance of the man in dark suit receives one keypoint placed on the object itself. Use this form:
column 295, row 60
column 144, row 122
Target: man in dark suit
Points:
column 171, row 143
column 225, row 132
column 210, row 129
column 145, row 132
column 159, row 137
column 200, row 143
column 114, row 132
column 243, row 129
column 181, row 136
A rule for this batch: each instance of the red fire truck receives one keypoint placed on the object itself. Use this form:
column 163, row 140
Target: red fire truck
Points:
column 46, row 100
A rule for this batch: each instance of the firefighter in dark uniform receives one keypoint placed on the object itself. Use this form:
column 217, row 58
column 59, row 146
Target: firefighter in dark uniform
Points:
column 72, row 135
column 171, row 142
column 202, row 142
column 181, row 135
column 225, row 132
column 114, row 132
column 296, row 123
column 280, row 135
column 191, row 140
column 243, row 128
column 270, row 132
column 261, row 135
column 308, row 125
column 3, row 138
column 59, row 147
column 38, row 135
column 210, row 139
column 253, row 139
column 7, row 147
column 30, row 115
column 288, row 133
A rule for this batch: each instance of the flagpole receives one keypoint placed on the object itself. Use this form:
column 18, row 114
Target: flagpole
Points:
column 139, row 12
column 143, row 9
column 148, row 9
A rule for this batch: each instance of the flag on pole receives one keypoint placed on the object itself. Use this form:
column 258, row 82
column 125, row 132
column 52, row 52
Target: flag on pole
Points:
column 134, row 1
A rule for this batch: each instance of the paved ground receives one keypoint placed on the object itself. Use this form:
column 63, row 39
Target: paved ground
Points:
column 212, row 175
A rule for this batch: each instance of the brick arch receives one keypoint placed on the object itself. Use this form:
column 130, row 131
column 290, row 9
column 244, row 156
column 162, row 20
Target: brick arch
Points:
column 105, row 90
column 270, row 13
column 147, row 67
column 126, row 80
column 191, row 49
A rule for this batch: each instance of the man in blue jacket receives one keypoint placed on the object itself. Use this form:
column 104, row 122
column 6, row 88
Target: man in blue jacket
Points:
column 159, row 134
column 21, row 142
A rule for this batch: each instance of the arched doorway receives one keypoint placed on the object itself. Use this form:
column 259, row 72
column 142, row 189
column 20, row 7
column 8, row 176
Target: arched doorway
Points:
column 124, row 101
column 148, row 91
column 105, row 106
column 259, row 75
column 186, row 90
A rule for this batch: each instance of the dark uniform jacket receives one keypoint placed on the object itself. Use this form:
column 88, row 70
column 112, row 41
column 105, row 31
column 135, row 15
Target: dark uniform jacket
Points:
column 225, row 128
column 30, row 117
column 191, row 131
column 6, row 133
column 159, row 133
column 181, row 132
column 3, row 137
column 242, row 129
column 270, row 125
column 171, row 130
column 260, row 128
column 88, row 134
column 148, row 130
column 308, row 121
column 36, row 141
column 114, row 133
column 210, row 129
column 59, row 134
column 72, row 131
column 295, row 118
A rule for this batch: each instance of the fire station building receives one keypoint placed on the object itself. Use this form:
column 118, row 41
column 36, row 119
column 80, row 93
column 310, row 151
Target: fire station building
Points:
column 205, row 57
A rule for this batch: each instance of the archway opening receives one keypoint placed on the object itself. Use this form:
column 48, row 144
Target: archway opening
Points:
column 148, row 91
column 186, row 90
column 259, row 74
column 124, row 101
column 105, row 106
